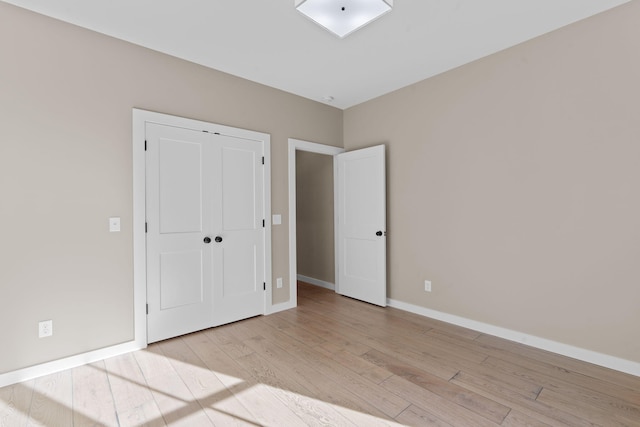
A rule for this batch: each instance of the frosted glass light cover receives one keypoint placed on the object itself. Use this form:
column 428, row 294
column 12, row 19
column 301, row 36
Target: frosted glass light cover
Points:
column 342, row 17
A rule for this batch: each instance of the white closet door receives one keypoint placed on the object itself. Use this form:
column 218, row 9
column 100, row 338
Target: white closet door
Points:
column 205, row 235
column 179, row 263
column 238, row 251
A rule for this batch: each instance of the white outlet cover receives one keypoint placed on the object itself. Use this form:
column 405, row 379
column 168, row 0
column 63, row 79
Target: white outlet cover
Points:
column 279, row 282
column 114, row 224
column 277, row 219
column 427, row 286
column 45, row 328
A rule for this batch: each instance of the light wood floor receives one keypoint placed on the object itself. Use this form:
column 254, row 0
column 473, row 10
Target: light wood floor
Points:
column 332, row 361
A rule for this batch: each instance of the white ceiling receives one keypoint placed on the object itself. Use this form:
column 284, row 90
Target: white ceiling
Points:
column 269, row 42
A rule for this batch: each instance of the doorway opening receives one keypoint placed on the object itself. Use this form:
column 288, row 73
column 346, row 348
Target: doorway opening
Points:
column 314, row 217
column 311, row 219
column 359, row 220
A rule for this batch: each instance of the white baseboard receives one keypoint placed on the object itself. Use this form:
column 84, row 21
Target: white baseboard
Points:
column 31, row 372
column 316, row 282
column 589, row 356
column 612, row 362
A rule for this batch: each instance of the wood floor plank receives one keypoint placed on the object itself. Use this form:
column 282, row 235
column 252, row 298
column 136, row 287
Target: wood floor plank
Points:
column 52, row 401
column 293, row 394
column 292, row 316
column 594, row 399
column 440, row 366
column 348, row 404
column 532, row 408
column 146, row 414
column 301, row 334
column 151, row 361
column 15, row 403
column 569, row 371
column 499, row 383
column 256, row 397
column 92, row 399
column 444, row 363
column 357, row 364
column 226, row 337
column 561, row 380
column 563, row 362
column 177, row 404
column 220, row 405
column 518, row 419
column 387, row 402
column 584, row 410
column 373, row 319
column 527, row 388
column 440, row 350
column 497, row 379
column 389, row 405
column 479, row 404
column 133, row 399
column 439, row 406
column 332, row 332
column 415, row 416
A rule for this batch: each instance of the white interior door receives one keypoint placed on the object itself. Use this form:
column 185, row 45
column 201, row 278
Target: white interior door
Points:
column 361, row 225
column 205, row 241
column 179, row 263
column 238, row 224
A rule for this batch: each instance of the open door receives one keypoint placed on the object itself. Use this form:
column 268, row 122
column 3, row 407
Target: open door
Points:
column 361, row 243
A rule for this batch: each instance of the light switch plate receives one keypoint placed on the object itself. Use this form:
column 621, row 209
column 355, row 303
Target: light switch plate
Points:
column 114, row 224
column 277, row 219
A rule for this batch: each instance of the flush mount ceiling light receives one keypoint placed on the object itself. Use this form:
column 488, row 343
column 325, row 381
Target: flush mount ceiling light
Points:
column 342, row 17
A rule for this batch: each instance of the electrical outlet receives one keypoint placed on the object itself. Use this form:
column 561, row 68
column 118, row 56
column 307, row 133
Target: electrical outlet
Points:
column 427, row 285
column 279, row 282
column 114, row 224
column 45, row 328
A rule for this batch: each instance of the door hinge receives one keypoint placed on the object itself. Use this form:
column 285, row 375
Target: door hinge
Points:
column 263, row 160
column 147, row 308
column 264, row 286
column 145, row 145
column 145, row 227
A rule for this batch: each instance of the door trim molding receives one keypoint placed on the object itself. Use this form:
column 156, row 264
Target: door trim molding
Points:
column 140, row 118
column 299, row 145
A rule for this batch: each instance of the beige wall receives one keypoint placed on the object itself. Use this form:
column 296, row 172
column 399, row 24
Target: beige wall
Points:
column 66, row 167
column 512, row 181
column 513, row 185
column 314, row 216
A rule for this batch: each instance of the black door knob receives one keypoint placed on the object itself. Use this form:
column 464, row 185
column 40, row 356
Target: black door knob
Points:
column 207, row 239
column 378, row 233
column 218, row 239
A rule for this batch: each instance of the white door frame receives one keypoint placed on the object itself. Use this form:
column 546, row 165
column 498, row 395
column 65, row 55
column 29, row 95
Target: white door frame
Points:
column 140, row 117
column 312, row 147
